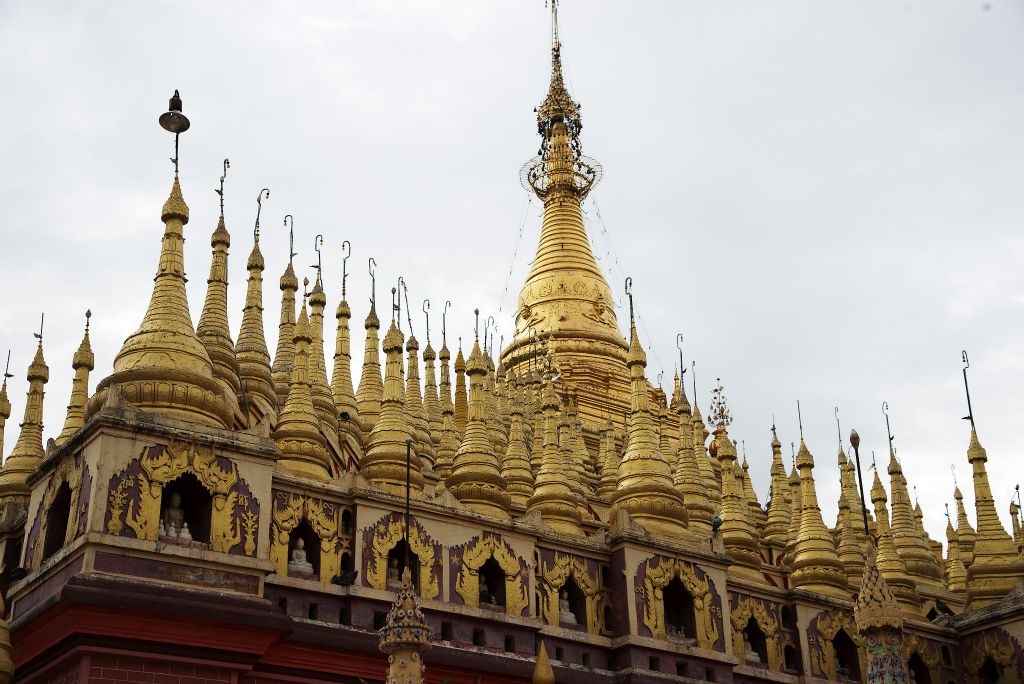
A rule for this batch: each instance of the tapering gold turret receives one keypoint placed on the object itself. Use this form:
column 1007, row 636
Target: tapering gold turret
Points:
column 900, row 583
column 552, row 496
column 414, row 410
column 323, row 400
column 384, row 463
column 371, row 388
column 913, row 549
column 251, row 348
column 956, row 573
column 342, row 388
column 996, row 566
column 461, row 401
column 476, row 478
column 299, row 435
column 779, row 505
column 284, row 355
column 645, row 490
column 5, row 412
column 515, row 467
column 688, row 479
column 28, row 451
column 965, row 533
column 816, row 565
column 163, row 367
column 213, row 330
column 565, row 297
column 82, row 362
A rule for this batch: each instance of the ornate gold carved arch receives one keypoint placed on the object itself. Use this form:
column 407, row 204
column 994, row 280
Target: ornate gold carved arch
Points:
column 823, row 654
column 386, row 533
column 325, row 519
column 553, row 577
column 159, row 466
column 979, row 648
column 70, row 471
column 768, row 620
column 476, row 553
column 657, row 577
column 928, row 651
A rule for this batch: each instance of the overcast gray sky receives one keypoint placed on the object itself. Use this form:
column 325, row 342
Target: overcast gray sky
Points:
column 825, row 198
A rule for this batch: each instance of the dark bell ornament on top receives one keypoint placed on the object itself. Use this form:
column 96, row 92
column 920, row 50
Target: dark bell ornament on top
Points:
column 173, row 120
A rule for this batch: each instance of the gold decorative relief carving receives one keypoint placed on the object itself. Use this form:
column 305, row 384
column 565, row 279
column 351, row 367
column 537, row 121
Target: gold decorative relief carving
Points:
column 476, row 553
column 386, row 534
column 767, row 619
column 705, row 611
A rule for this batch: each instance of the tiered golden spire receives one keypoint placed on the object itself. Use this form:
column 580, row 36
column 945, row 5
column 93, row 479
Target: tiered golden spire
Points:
column 342, row 389
column 284, row 355
column 476, row 479
column 449, row 437
column 965, row 534
column 299, row 434
column 608, row 455
column 757, row 515
column 913, row 549
column 688, row 479
column 889, row 562
column 414, row 410
column 543, row 673
column 163, row 367
column 405, row 636
column 816, row 565
column 956, row 573
column 28, row 450
column 645, row 490
column 996, row 566
column 779, row 506
column 461, row 402
column 251, row 347
column 851, row 540
column 516, row 466
column 82, row 362
column 795, row 512
column 552, row 496
column 431, row 402
column 323, row 400
column 213, row 329
column 384, row 461
column 371, row 388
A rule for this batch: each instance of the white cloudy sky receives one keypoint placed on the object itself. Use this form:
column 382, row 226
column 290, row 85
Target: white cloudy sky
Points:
column 825, row 198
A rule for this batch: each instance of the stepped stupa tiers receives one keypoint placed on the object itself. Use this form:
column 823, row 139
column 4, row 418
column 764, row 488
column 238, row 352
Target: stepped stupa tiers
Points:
column 546, row 515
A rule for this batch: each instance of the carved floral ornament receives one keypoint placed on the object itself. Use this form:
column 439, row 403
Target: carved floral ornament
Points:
column 73, row 472
column 767, row 617
column 384, row 535
column 324, row 517
column 136, row 492
column 1000, row 647
column 656, row 574
column 823, row 629
column 554, row 576
column 474, row 555
column 928, row 650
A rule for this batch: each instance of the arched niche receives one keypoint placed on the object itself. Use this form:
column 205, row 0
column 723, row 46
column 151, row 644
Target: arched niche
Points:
column 918, row 671
column 185, row 501
column 847, row 657
column 572, row 604
column 399, row 557
column 491, row 579
column 57, row 517
column 755, row 643
column 791, row 659
column 680, row 613
column 304, row 539
column 991, row 672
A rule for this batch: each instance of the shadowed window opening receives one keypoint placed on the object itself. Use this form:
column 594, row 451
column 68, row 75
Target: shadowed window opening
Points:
column 680, row 621
column 186, row 502
column 791, row 660
column 446, row 631
column 346, row 522
column 478, row 637
column 572, row 604
column 754, row 643
column 510, row 644
column 787, row 617
column 847, row 657
column 396, row 566
column 947, row 656
column 492, row 583
column 991, row 672
column 918, row 670
column 57, row 521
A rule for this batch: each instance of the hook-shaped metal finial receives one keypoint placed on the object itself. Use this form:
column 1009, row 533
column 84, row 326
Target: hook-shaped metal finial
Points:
column 952, row 467
column 262, row 195
column 967, row 389
column 682, row 368
column 661, row 373
column 444, row 322
column 629, row 293
column 346, row 249
column 223, row 175
column 289, row 223
column 839, row 430
column 885, row 412
column 487, row 330
column 408, row 309
column 39, row 335
column 426, row 312
column 318, row 242
column 371, row 264
column 501, row 343
column 396, row 303
column 800, row 420
column 693, row 376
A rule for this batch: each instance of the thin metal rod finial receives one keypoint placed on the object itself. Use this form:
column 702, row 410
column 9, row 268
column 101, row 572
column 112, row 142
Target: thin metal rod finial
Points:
column 408, row 309
column 318, row 242
column 885, row 412
column 289, row 223
column 7, row 368
column 967, row 389
column 88, row 315
column 800, row 420
column 260, row 196
column 629, row 293
column 426, row 312
column 39, row 335
column 444, row 322
column 346, row 249
column 839, row 430
column 396, row 303
column 371, row 264
column 476, row 324
column 227, row 165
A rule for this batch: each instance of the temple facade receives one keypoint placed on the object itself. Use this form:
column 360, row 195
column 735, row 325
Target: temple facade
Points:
column 541, row 511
